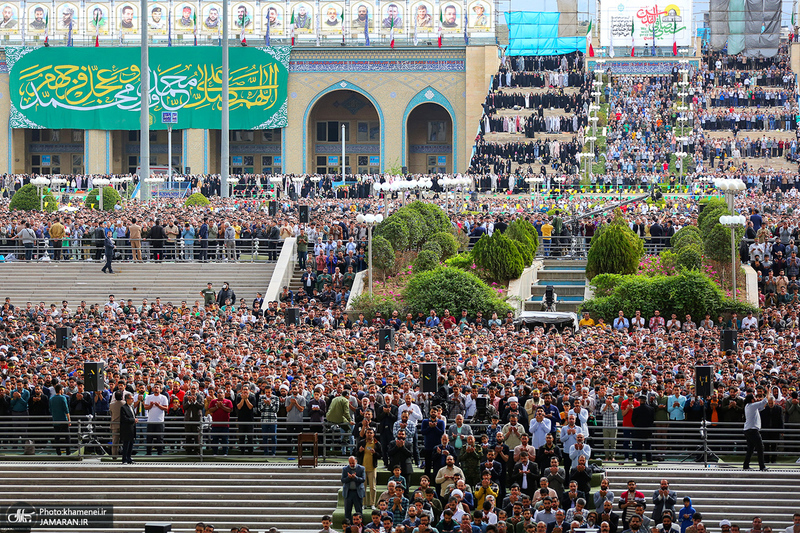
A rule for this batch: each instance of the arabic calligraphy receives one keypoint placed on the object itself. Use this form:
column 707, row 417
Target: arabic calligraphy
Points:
column 654, row 24
column 104, row 85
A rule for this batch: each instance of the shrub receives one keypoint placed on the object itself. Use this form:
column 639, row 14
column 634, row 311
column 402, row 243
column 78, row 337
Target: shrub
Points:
column 529, row 229
column 690, row 234
column 615, row 249
column 710, row 205
column 689, row 292
column 604, row 284
column 435, row 218
column 426, row 260
column 27, row 199
column 382, row 254
column 196, row 199
column 394, row 230
column 370, row 305
column 416, row 227
column 447, row 243
column 711, row 220
column 451, row 288
column 110, row 199
column 520, row 235
column 464, row 261
column 717, row 243
column 690, row 257
column 433, row 247
column 498, row 256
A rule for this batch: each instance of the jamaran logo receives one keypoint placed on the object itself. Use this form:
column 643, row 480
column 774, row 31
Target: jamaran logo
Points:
column 19, row 517
column 22, row 517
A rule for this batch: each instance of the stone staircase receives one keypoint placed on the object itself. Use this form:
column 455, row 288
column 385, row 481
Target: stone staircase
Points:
column 568, row 278
column 259, row 496
column 172, row 282
column 721, row 493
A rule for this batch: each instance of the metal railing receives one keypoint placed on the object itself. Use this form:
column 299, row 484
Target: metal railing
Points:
column 242, row 250
column 677, row 441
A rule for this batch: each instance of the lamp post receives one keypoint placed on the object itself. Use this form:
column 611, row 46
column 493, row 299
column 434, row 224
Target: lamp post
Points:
column 40, row 183
column 101, row 183
column 370, row 220
column 560, row 180
column 56, row 183
column 315, row 180
column 233, row 181
column 276, row 182
column 730, row 187
column 733, row 222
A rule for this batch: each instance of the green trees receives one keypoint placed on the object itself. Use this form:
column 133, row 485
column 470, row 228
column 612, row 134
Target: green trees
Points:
column 382, row 254
column 615, row 249
column 27, row 199
column 454, row 289
column 499, row 257
column 196, row 199
column 110, row 199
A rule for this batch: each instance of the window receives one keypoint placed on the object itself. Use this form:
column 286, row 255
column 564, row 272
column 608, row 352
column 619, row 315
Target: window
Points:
column 36, row 160
column 133, row 136
column 330, row 131
column 153, row 138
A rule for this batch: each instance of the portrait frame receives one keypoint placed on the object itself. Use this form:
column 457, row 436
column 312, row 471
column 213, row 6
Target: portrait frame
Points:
column 157, row 27
column 437, row 131
column 32, row 26
column 324, row 25
column 13, row 23
column 424, row 23
column 446, row 8
column 120, row 11
column 206, row 23
column 479, row 19
column 278, row 27
column 357, row 25
column 61, row 20
column 386, row 7
column 105, row 19
column 234, row 19
column 180, row 23
column 306, row 24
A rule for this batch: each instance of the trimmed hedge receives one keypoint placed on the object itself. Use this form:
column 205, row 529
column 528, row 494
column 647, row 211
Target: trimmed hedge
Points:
column 451, row 288
column 110, row 199
column 196, row 199
column 27, row 199
column 615, row 249
column 499, row 257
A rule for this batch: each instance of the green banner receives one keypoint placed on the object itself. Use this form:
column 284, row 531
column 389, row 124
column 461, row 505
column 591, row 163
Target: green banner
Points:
column 99, row 88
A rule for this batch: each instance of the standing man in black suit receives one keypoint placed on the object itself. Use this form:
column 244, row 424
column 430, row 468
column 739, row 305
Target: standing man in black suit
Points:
column 643, row 418
column 127, row 429
column 664, row 499
column 400, row 453
column 109, row 246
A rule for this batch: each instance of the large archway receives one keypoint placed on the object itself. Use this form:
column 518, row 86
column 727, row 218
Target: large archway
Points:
column 429, row 139
column 362, row 134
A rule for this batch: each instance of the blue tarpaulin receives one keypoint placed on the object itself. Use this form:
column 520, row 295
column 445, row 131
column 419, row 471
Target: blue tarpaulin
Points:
column 536, row 34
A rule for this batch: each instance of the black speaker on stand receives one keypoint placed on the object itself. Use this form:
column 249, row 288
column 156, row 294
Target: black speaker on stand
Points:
column 430, row 377
column 728, row 340
column 303, row 211
column 64, row 338
column 273, row 208
column 93, row 379
column 293, row 316
column 702, row 381
column 386, row 339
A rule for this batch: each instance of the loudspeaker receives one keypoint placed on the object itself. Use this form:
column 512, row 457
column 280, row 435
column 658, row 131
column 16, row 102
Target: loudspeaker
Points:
column 430, row 378
column 293, row 316
column 404, row 170
column 157, row 528
column 303, row 214
column 273, row 209
column 386, row 339
column 702, row 381
column 64, row 338
column 93, row 376
column 187, row 170
column 728, row 340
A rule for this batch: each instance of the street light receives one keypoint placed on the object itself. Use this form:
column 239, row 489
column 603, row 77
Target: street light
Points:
column 276, row 182
column 40, row 182
column 316, row 180
column 152, row 180
column 534, row 182
column 233, row 181
column 56, row 184
column 733, row 222
column 370, row 220
column 100, row 183
column 730, row 187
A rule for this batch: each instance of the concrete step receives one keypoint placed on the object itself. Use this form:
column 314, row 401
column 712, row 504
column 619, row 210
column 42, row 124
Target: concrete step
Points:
column 561, row 290
column 555, row 275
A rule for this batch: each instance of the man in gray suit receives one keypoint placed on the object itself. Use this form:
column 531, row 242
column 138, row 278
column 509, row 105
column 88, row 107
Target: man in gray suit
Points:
column 353, row 476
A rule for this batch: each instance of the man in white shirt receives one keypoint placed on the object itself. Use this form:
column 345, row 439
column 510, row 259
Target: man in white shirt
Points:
column 414, row 415
column 156, row 404
column 795, row 527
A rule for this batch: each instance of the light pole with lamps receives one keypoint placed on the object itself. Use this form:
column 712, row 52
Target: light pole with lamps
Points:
column 233, row 181
column 370, row 220
column 276, row 182
column 730, row 188
column 534, row 182
column 101, row 183
column 40, row 183
column 152, row 180
column 733, row 222
column 56, row 184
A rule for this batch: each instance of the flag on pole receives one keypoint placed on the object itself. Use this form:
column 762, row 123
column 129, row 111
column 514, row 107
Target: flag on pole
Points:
column 466, row 36
column 366, row 30
column 292, row 24
column 391, row 32
column 633, row 39
column 194, row 24
column 47, row 29
column 317, row 32
column 169, row 28
column 611, row 41
column 69, row 34
column 266, row 35
column 416, row 36
column 441, row 29
column 589, row 40
column 675, row 39
column 653, row 50
column 242, row 36
column 121, row 37
column 342, row 26
column 97, row 28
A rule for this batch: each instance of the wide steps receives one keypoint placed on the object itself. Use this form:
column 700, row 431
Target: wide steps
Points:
column 259, row 496
column 561, row 290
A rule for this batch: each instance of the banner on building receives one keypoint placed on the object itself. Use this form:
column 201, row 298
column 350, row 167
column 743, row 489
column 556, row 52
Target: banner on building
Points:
column 99, row 88
column 648, row 20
